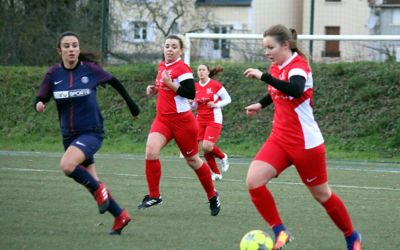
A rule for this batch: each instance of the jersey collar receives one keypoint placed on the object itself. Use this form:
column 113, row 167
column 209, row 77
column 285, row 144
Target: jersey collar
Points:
column 287, row 61
column 204, row 84
column 169, row 64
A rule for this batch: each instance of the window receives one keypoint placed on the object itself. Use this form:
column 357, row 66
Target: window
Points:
column 396, row 17
column 223, row 44
column 135, row 31
column 332, row 47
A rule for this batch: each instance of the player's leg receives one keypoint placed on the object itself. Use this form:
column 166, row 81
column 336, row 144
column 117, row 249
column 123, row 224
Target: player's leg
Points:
column 121, row 216
column 185, row 134
column 212, row 134
column 269, row 162
column 78, row 150
column 155, row 142
column 207, row 147
column 311, row 165
column 159, row 135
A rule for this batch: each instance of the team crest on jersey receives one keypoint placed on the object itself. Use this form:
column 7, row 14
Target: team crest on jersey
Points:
column 209, row 91
column 85, row 79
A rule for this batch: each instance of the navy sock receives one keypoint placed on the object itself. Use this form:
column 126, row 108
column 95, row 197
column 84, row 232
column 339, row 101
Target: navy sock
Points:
column 83, row 177
column 114, row 209
column 277, row 229
column 351, row 239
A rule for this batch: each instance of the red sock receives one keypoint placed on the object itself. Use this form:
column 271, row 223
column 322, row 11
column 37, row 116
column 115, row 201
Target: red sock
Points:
column 153, row 176
column 204, row 175
column 335, row 208
column 217, row 152
column 211, row 162
column 265, row 204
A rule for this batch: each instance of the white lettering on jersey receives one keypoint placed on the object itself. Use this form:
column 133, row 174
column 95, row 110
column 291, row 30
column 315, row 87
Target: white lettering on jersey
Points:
column 71, row 93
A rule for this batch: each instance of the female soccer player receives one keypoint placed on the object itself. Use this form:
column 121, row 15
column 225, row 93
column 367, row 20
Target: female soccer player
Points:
column 72, row 83
column 174, row 120
column 211, row 96
column 295, row 137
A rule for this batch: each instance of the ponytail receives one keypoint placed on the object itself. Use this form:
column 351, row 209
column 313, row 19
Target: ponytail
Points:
column 215, row 71
column 293, row 43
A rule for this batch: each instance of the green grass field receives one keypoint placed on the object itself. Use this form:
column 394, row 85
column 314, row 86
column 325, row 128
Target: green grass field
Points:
column 42, row 209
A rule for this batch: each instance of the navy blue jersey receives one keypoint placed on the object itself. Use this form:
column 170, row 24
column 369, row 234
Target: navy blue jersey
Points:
column 74, row 92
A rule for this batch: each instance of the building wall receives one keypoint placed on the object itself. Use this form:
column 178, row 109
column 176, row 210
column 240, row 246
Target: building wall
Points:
column 287, row 12
column 350, row 15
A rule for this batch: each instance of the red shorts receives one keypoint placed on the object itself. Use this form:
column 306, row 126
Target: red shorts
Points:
column 309, row 163
column 181, row 127
column 209, row 132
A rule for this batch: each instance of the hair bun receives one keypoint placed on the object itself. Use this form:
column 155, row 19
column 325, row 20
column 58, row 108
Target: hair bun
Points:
column 294, row 33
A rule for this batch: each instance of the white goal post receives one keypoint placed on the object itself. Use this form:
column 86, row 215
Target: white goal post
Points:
column 190, row 36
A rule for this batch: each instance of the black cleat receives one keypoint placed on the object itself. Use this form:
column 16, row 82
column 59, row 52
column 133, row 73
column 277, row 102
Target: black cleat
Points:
column 215, row 205
column 149, row 202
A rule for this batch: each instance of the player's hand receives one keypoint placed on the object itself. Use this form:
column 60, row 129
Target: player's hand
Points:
column 253, row 73
column 253, row 109
column 166, row 78
column 151, row 90
column 211, row 104
column 40, row 107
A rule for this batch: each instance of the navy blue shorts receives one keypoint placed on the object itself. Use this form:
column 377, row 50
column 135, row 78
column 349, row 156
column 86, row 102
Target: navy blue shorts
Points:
column 89, row 143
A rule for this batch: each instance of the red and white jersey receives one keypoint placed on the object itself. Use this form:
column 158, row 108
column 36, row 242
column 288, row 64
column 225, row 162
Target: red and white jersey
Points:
column 214, row 91
column 294, row 123
column 168, row 102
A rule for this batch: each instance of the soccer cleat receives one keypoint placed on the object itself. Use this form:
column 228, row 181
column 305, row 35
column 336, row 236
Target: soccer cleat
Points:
column 215, row 205
column 120, row 222
column 216, row 177
column 356, row 243
column 149, row 202
column 225, row 163
column 284, row 237
column 101, row 196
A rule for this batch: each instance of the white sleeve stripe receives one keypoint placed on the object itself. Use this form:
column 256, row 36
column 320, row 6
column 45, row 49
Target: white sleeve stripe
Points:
column 297, row 71
column 185, row 76
column 225, row 98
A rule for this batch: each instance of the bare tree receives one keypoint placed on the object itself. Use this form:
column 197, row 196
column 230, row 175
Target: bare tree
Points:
column 173, row 16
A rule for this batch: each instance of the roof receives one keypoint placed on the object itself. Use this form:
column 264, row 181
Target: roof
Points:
column 223, row 2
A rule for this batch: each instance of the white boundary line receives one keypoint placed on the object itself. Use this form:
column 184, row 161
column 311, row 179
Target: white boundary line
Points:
column 225, row 180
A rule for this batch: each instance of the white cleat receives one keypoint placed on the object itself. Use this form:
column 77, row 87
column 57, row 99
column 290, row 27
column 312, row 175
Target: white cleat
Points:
column 225, row 163
column 216, row 177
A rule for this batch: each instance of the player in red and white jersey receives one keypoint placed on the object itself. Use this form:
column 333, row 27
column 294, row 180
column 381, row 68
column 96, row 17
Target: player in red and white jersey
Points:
column 174, row 120
column 295, row 137
column 211, row 97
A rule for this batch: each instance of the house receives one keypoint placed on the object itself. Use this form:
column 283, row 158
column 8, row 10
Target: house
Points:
column 384, row 19
column 137, row 32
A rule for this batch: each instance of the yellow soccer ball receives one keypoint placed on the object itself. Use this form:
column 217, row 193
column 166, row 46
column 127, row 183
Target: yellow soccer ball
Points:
column 256, row 240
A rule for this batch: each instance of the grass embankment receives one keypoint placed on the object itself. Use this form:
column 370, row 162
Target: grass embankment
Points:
column 357, row 106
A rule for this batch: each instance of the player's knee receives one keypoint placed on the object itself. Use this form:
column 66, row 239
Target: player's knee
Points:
column 251, row 182
column 152, row 153
column 67, row 167
column 207, row 147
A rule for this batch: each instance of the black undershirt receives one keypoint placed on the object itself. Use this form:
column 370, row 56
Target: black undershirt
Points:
column 133, row 107
column 293, row 88
column 187, row 89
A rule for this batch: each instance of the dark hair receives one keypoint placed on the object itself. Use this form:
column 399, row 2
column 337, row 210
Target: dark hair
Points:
column 282, row 35
column 83, row 56
column 214, row 71
column 176, row 37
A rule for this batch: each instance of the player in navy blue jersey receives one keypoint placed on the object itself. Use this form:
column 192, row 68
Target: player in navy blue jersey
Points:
column 72, row 83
